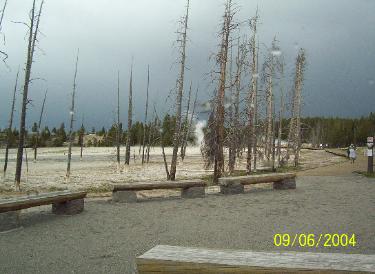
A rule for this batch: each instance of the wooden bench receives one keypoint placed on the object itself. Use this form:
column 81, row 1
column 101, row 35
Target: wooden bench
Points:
column 235, row 185
column 174, row 259
column 189, row 189
column 63, row 202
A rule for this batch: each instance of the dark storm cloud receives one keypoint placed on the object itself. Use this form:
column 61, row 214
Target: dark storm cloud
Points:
column 338, row 36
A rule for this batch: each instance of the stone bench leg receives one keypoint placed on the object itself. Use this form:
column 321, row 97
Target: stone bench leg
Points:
column 236, row 188
column 285, row 184
column 193, row 192
column 9, row 220
column 124, row 196
column 69, row 207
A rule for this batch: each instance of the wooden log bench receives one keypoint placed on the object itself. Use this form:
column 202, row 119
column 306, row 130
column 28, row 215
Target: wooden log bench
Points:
column 235, row 185
column 189, row 189
column 174, row 259
column 63, row 203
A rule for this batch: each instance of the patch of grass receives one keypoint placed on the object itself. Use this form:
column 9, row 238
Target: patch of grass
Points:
column 288, row 169
column 365, row 173
column 99, row 189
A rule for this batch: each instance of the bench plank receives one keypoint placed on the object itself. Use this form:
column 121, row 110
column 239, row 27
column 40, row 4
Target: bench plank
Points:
column 257, row 179
column 159, row 185
column 24, row 202
column 169, row 259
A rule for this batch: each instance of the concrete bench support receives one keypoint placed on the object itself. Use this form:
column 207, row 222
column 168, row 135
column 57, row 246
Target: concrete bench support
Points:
column 124, row 196
column 69, row 207
column 234, row 188
column 8, row 221
column 126, row 193
column 193, row 192
column 235, row 185
column 285, row 184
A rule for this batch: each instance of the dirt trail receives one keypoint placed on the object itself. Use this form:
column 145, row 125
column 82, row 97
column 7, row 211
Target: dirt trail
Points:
column 339, row 169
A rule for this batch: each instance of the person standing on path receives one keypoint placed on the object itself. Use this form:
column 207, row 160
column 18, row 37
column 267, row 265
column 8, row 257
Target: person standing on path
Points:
column 352, row 153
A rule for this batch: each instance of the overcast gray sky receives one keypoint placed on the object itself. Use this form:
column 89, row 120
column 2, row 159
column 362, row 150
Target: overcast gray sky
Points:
column 338, row 35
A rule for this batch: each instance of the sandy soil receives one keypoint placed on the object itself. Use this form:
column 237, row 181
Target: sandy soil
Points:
column 343, row 167
column 107, row 237
column 98, row 169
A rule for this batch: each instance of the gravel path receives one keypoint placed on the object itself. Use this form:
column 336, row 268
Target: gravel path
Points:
column 107, row 237
column 339, row 168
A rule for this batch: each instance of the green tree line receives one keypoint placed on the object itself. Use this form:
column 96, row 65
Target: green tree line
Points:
column 155, row 132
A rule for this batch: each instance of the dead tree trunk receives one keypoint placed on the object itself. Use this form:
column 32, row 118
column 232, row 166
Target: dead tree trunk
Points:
column 185, row 125
column 72, row 118
column 81, row 134
column 118, row 132
column 294, row 140
column 180, row 88
column 38, row 129
column 300, row 64
column 281, row 115
column 235, row 140
column 222, row 59
column 1, row 26
column 146, row 111
column 33, row 33
column 252, row 97
column 231, row 145
column 130, row 118
column 270, row 69
column 273, row 147
column 255, row 125
column 9, row 131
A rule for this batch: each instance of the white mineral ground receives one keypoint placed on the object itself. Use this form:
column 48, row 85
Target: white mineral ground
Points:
column 97, row 171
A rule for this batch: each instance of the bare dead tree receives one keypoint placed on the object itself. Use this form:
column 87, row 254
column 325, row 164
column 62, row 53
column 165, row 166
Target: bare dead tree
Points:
column 273, row 147
column 222, row 59
column 281, row 116
column 180, row 88
column 72, row 118
column 81, row 134
column 185, row 124
column 152, row 127
column 235, row 131
column 190, row 125
column 146, row 112
column 209, row 145
column 118, row 131
column 9, row 131
column 5, row 55
column 269, row 79
column 130, row 117
column 33, row 33
column 294, row 138
column 2, row 14
column 255, row 125
column 151, row 139
column 230, row 137
column 252, row 96
column 39, row 124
